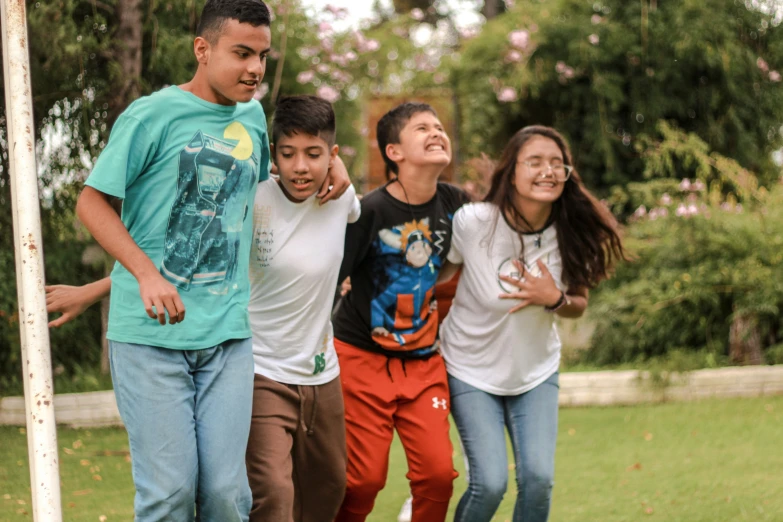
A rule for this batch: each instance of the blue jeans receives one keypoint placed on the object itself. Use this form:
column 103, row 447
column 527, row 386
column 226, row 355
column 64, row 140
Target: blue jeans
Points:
column 531, row 420
column 188, row 419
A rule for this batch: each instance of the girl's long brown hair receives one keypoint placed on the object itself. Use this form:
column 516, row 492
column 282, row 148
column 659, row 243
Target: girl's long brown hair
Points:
column 587, row 232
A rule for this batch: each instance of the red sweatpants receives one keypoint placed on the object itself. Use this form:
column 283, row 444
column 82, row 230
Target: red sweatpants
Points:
column 382, row 394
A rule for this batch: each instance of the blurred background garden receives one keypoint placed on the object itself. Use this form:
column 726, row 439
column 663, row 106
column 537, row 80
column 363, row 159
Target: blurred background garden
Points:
column 674, row 111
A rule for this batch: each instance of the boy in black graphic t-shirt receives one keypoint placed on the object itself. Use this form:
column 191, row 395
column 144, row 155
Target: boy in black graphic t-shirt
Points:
column 386, row 327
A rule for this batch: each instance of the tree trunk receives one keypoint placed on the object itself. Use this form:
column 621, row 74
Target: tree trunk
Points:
column 128, row 56
column 745, row 340
column 493, row 8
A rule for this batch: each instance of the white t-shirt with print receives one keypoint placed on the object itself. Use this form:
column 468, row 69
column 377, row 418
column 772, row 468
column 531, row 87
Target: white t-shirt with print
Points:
column 484, row 345
column 294, row 262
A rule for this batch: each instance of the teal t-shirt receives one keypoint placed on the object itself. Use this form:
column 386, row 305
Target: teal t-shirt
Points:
column 187, row 170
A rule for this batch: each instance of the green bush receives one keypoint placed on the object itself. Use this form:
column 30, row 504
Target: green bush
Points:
column 692, row 274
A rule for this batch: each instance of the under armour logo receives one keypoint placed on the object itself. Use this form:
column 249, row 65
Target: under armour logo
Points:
column 438, row 403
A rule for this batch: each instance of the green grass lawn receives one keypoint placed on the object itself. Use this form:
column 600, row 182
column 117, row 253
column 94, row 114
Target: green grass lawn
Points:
column 706, row 461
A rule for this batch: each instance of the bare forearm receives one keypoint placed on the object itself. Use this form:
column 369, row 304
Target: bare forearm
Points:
column 576, row 306
column 103, row 222
column 97, row 290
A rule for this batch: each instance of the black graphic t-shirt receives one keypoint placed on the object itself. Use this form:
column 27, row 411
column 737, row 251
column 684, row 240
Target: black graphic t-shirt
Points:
column 393, row 255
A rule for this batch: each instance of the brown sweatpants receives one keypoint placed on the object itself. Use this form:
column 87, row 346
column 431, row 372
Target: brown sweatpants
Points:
column 296, row 451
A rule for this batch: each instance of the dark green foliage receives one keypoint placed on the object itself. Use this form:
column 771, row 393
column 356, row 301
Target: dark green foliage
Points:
column 605, row 73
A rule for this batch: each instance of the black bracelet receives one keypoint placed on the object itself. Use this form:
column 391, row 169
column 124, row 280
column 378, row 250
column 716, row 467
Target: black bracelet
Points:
column 559, row 304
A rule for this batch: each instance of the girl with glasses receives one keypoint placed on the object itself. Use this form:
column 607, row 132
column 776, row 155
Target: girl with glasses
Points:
column 530, row 251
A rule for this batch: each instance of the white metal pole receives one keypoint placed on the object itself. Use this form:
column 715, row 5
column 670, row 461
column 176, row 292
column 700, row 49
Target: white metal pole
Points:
column 28, row 245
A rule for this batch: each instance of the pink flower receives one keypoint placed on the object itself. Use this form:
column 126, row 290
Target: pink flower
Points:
column 348, row 151
column 324, row 27
column 519, row 39
column 328, row 93
column 762, row 64
column 261, row 91
column 417, row 14
column 341, row 76
column 469, row 32
column 507, row 95
column 698, row 186
column 366, row 46
column 596, row 19
column 681, row 210
column 327, row 44
column 509, row 3
column 693, row 209
column 322, row 68
column 513, row 56
column 568, row 72
column 593, row 39
column 640, row 212
column 305, row 76
column 666, row 199
column 560, row 67
column 685, row 185
column 774, row 76
column 725, row 206
column 351, row 56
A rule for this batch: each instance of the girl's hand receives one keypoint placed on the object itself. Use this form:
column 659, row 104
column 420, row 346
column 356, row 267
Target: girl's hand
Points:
column 538, row 291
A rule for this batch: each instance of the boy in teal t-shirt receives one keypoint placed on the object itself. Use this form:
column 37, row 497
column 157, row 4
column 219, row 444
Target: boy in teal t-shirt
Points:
column 188, row 182
column 186, row 161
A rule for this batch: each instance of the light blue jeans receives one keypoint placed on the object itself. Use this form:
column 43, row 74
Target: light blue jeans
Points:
column 531, row 420
column 188, row 419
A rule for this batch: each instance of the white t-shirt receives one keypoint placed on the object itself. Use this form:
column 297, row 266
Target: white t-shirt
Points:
column 294, row 262
column 484, row 345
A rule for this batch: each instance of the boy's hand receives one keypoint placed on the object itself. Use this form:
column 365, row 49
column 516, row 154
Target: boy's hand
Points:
column 161, row 295
column 336, row 182
column 540, row 291
column 71, row 301
column 345, row 286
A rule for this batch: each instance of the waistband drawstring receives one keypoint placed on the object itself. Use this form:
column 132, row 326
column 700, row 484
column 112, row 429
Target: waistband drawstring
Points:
column 308, row 427
column 388, row 369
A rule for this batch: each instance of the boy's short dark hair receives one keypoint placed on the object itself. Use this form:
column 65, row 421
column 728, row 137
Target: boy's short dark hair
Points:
column 307, row 114
column 218, row 12
column 391, row 124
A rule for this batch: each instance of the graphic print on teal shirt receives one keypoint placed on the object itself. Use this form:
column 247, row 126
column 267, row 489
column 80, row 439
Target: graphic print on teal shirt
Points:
column 205, row 223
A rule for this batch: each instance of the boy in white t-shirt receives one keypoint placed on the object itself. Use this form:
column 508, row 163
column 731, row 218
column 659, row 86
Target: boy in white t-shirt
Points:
column 296, row 451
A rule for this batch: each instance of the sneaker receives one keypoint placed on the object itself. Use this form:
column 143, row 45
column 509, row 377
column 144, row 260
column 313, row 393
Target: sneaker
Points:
column 406, row 512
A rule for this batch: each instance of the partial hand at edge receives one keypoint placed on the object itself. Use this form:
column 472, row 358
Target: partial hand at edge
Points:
column 336, row 183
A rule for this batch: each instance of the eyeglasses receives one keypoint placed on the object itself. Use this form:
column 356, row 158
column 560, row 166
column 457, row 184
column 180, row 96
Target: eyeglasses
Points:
column 560, row 172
